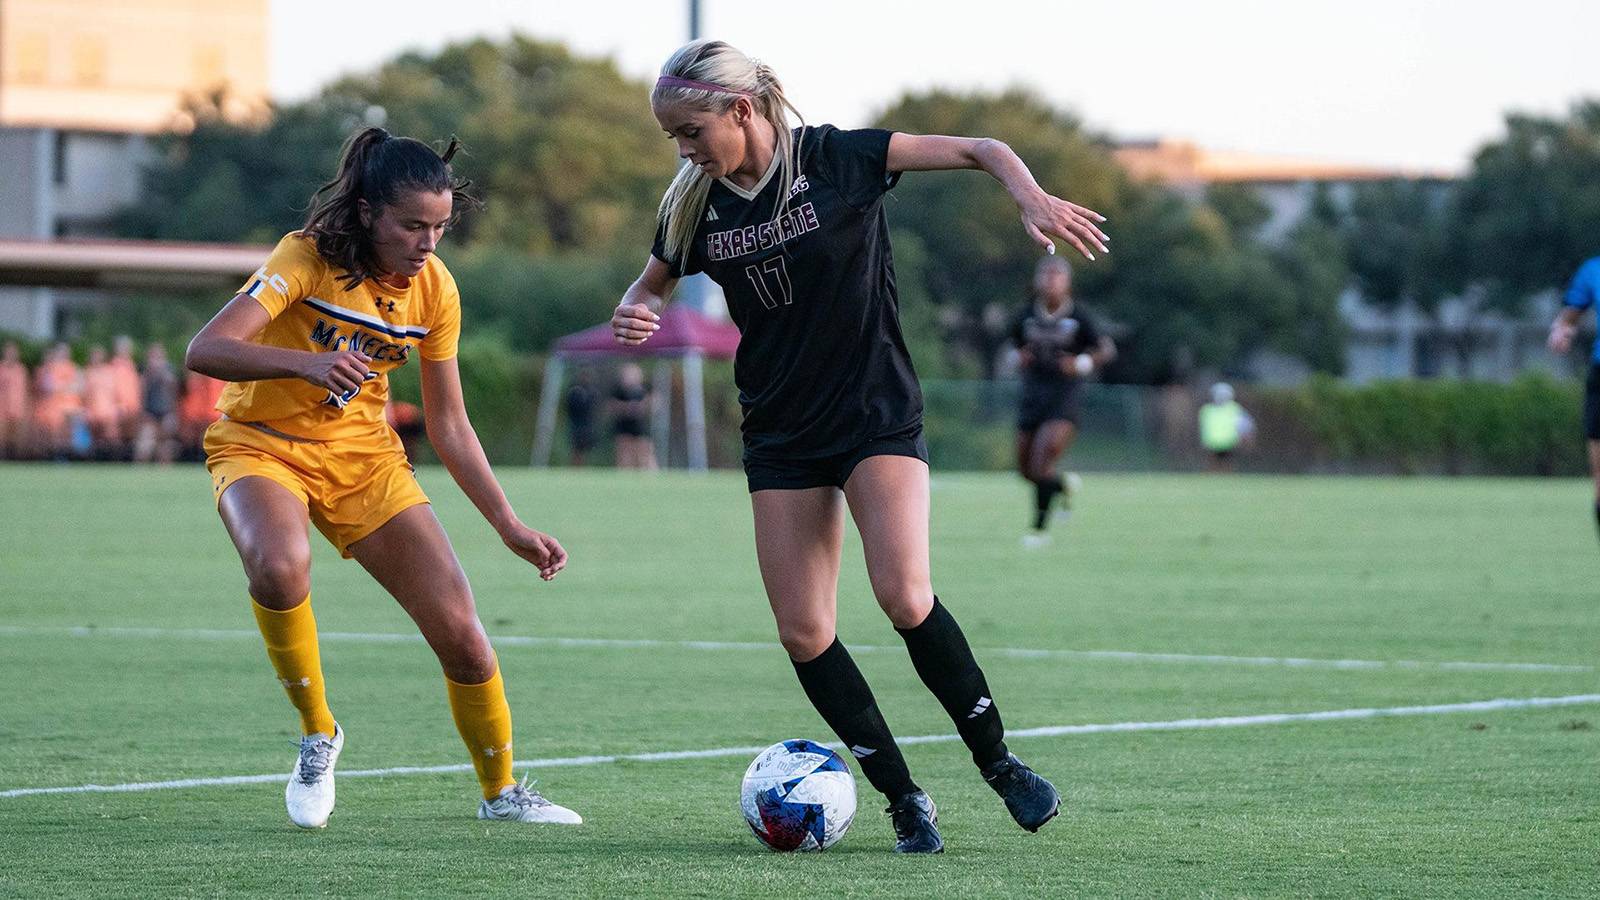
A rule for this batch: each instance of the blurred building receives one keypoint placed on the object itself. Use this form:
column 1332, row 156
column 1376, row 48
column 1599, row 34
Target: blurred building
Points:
column 124, row 66
column 1460, row 340
column 1286, row 185
column 83, row 83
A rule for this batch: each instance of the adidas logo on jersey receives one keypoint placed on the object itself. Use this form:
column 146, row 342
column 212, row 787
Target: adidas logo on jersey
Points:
column 711, row 215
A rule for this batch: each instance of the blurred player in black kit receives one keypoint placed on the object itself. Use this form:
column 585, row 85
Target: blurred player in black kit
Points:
column 1058, row 346
column 790, row 223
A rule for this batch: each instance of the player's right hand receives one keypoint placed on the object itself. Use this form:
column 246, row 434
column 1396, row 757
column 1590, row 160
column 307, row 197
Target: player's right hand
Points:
column 338, row 371
column 633, row 323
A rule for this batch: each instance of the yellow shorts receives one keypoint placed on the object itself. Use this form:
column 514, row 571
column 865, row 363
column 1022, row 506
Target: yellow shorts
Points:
column 350, row 488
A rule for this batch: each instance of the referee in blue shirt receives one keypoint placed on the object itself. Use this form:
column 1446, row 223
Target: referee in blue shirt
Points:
column 1581, row 296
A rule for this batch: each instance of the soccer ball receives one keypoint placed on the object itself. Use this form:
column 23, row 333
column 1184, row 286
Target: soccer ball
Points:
column 798, row 795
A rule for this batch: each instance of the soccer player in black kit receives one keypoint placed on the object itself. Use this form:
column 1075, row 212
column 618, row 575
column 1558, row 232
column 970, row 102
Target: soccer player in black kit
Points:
column 790, row 223
column 1058, row 345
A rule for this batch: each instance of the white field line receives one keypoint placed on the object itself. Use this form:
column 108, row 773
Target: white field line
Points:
column 645, row 643
column 1049, row 731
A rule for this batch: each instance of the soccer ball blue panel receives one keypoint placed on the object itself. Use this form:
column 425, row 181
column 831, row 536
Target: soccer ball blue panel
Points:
column 798, row 795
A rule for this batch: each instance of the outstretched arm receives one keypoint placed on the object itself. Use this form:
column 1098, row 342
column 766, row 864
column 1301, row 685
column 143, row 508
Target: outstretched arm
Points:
column 636, row 316
column 1043, row 216
column 224, row 349
column 454, row 439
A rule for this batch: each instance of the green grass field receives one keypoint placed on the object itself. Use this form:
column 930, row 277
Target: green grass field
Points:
column 127, row 649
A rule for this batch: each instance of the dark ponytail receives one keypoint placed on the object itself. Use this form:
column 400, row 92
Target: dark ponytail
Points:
column 378, row 168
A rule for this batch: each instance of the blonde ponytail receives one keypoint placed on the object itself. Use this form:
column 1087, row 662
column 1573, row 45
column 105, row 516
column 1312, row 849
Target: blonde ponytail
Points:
column 727, row 74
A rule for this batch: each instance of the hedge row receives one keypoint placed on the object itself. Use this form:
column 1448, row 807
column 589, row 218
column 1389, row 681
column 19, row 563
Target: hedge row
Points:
column 1530, row 426
column 1527, row 427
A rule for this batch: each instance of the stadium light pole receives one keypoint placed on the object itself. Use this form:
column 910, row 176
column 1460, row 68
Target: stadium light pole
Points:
column 698, row 291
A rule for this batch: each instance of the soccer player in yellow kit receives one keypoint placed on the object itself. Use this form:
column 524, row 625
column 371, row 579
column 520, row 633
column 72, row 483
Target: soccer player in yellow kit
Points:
column 307, row 345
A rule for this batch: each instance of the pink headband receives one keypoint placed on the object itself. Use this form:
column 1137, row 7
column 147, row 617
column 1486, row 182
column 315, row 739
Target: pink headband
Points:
column 672, row 81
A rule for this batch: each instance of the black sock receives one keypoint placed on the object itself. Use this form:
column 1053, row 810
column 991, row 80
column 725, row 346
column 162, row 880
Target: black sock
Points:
column 1044, row 492
column 840, row 693
column 942, row 658
column 1597, row 514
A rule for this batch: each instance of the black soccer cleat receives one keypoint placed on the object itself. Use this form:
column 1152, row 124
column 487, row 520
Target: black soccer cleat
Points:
column 1030, row 799
column 916, row 824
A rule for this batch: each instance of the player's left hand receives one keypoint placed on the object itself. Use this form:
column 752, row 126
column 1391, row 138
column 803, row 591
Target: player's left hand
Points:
column 1044, row 217
column 536, row 547
column 1560, row 340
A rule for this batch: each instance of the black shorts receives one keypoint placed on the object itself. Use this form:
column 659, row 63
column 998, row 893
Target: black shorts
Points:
column 769, row 473
column 629, row 427
column 1046, row 403
column 584, row 438
column 1591, row 403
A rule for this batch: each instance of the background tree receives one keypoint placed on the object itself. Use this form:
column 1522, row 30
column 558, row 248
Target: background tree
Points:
column 1188, row 283
column 562, row 149
column 1528, row 212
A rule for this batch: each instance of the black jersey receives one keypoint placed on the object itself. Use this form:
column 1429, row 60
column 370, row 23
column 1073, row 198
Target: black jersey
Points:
column 628, row 402
column 1050, row 339
column 822, row 366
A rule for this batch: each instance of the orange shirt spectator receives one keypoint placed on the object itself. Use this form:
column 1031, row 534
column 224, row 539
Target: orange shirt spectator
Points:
column 125, row 377
column 13, row 400
column 58, row 389
column 13, row 384
column 198, row 407
column 100, row 396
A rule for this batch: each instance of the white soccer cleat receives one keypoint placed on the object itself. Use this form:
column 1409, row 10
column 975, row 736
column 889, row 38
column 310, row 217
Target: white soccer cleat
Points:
column 309, row 795
column 1034, row 540
column 521, row 803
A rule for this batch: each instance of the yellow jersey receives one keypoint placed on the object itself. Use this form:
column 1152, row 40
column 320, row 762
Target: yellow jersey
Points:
column 311, row 310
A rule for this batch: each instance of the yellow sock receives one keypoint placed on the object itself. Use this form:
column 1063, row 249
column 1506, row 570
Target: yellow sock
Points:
column 291, row 637
column 484, row 720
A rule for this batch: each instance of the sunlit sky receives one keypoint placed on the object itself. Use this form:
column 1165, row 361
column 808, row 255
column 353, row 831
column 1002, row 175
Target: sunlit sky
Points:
column 1415, row 84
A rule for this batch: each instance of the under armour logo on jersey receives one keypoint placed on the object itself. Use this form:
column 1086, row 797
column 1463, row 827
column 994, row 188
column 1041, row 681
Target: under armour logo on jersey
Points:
column 492, row 752
column 860, row 752
column 386, row 305
column 711, row 215
column 982, row 707
column 800, row 184
column 295, row 682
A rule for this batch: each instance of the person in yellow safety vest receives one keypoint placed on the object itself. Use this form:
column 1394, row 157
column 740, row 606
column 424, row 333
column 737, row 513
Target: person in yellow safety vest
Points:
column 1224, row 427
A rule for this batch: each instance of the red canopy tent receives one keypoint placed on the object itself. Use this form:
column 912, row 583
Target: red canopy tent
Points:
column 683, row 331
column 686, row 336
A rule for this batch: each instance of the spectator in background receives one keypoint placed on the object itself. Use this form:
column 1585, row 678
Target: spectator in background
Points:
column 13, row 402
column 125, row 377
column 630, row 412
column 197, row 409
column 58, row 402
column 407, row 421
column 100, row 404
column 580, row 402
column 156, row 435
column 1224, row 427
